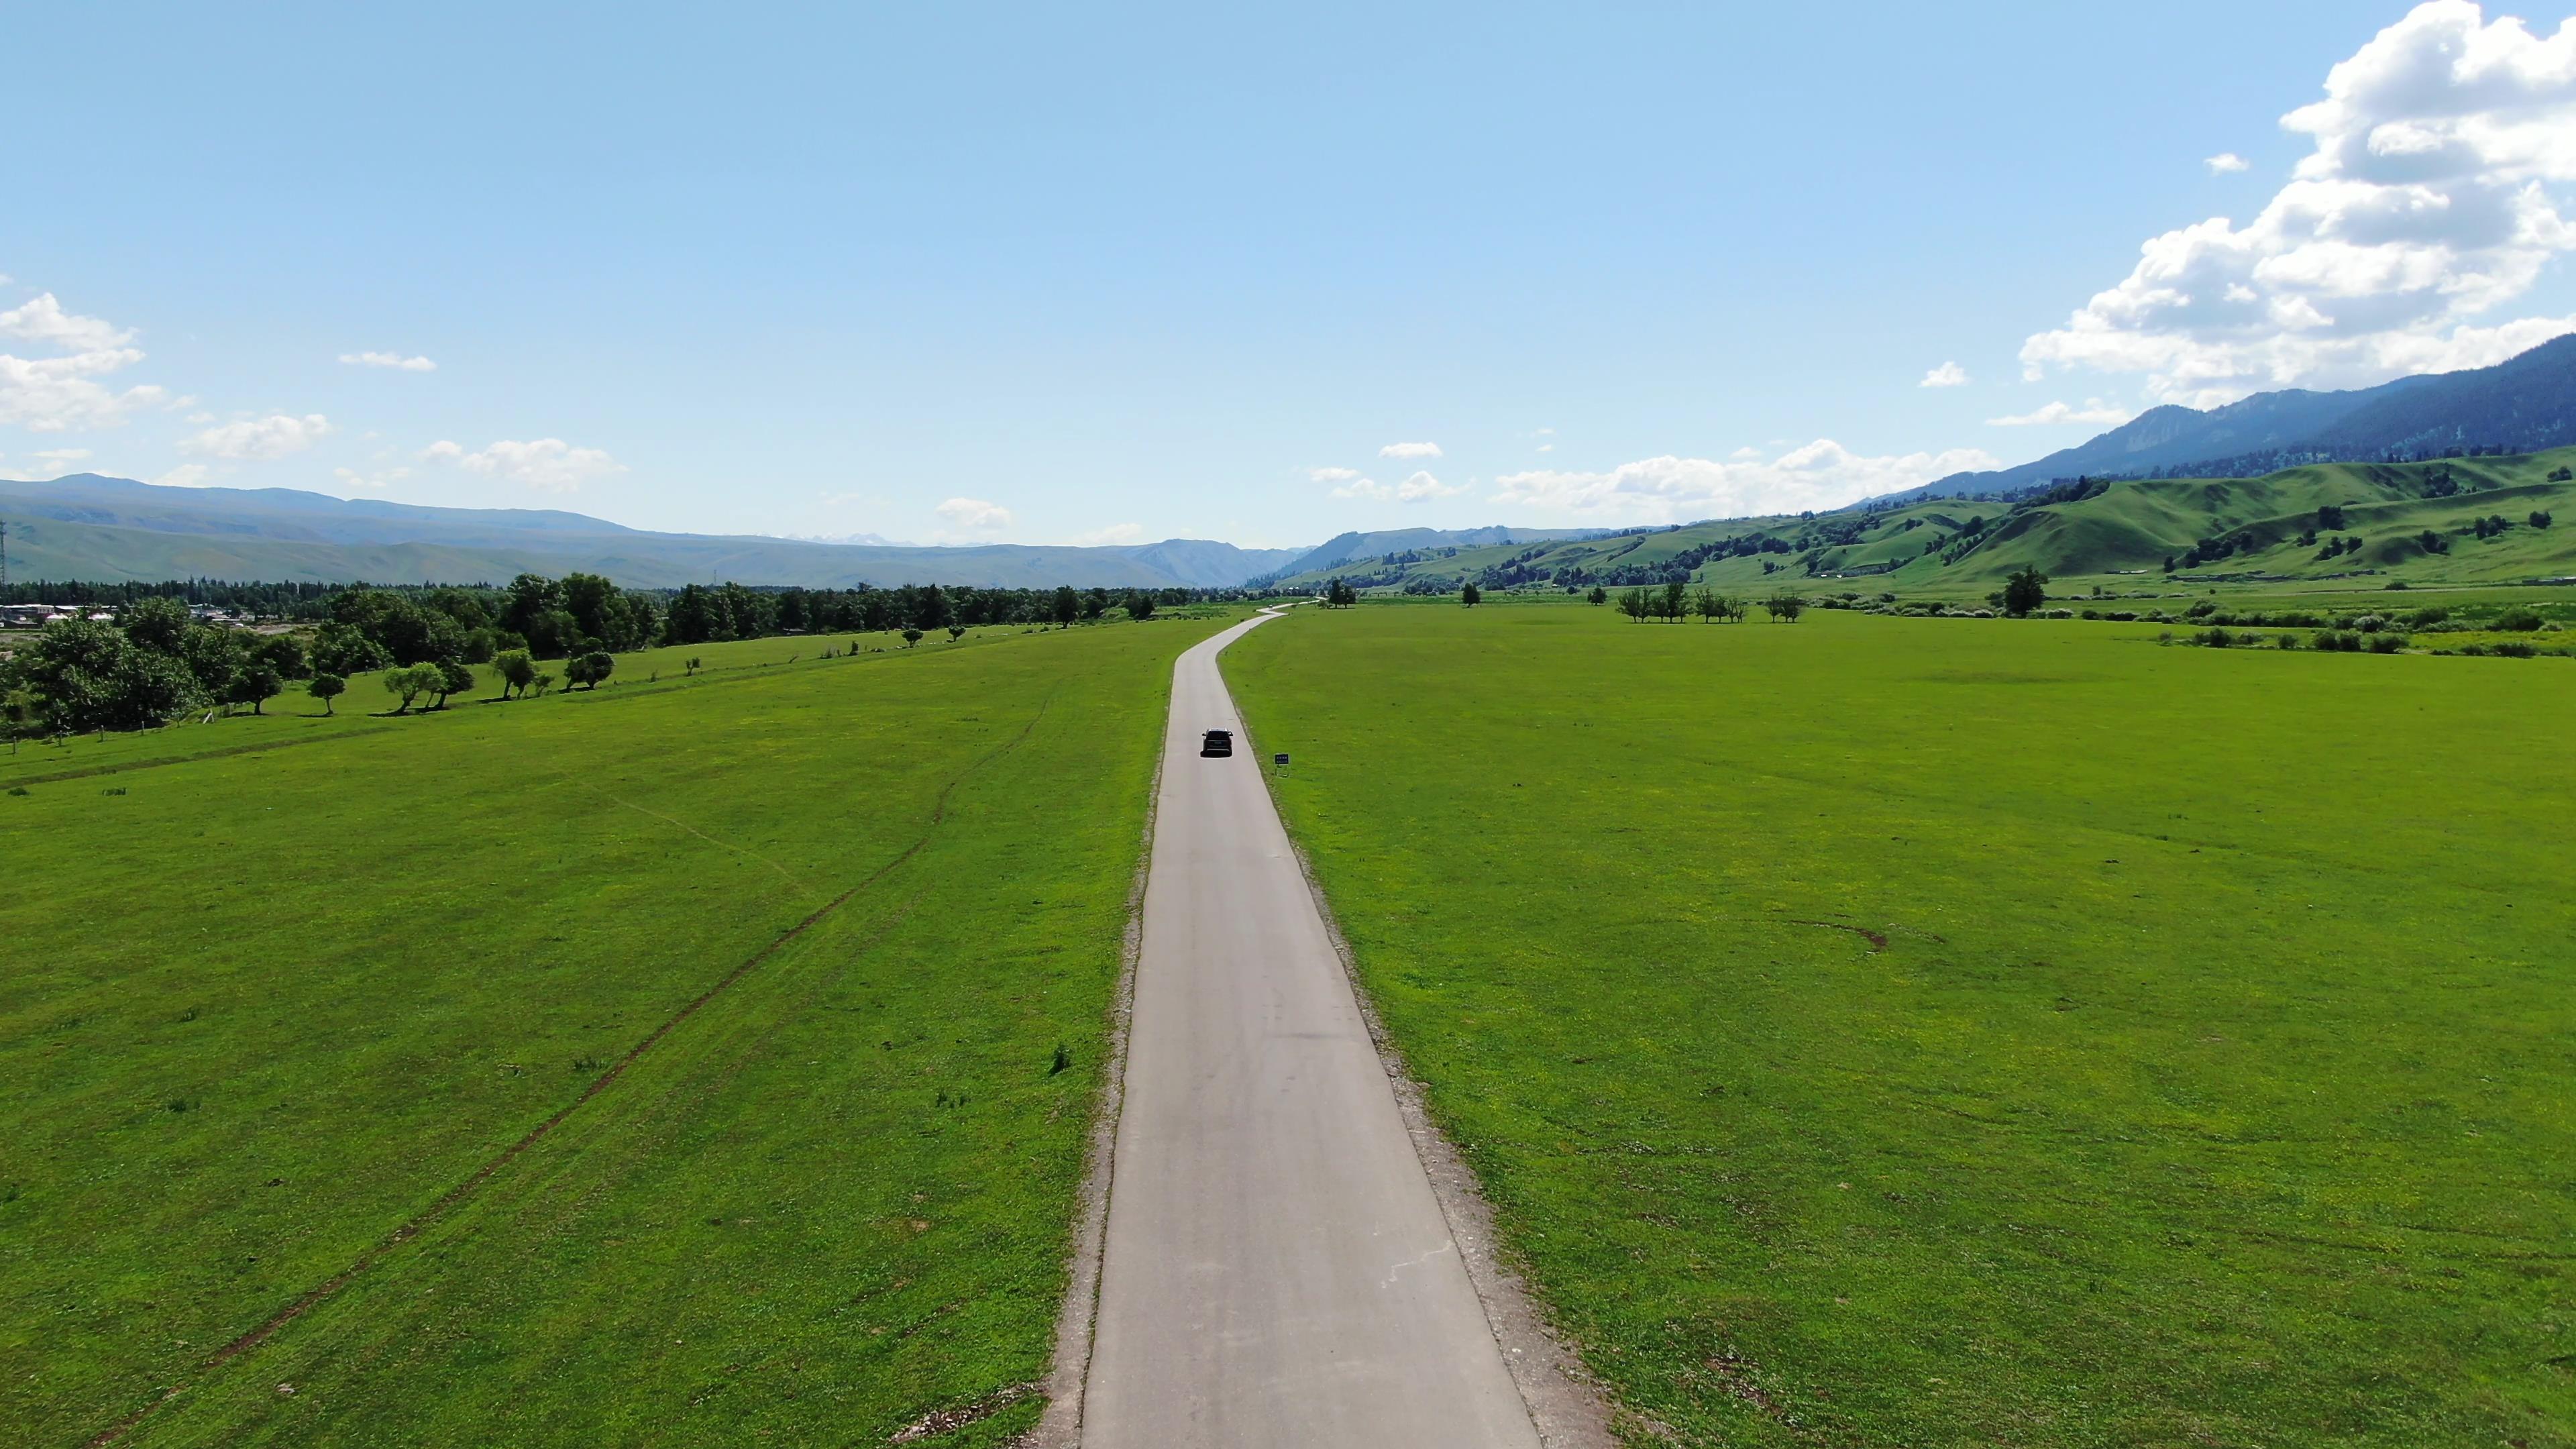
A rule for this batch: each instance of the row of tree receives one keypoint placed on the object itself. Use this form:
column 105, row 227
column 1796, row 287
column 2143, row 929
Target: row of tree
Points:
column 150, row 666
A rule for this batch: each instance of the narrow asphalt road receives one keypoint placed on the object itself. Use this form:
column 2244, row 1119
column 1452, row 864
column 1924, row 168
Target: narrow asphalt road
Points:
column 1276, row 1270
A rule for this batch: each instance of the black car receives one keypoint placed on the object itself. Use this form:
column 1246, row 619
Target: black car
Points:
column 1218, row 745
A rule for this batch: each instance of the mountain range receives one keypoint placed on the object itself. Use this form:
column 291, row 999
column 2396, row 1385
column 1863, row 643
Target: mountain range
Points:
column 2522, row 405
column 110, row 529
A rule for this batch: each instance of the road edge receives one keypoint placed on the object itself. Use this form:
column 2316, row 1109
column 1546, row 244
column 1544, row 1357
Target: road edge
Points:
column 1567, row 1405
column 1059, row 1425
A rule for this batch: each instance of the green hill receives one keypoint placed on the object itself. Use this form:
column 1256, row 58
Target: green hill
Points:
column 2361, row 522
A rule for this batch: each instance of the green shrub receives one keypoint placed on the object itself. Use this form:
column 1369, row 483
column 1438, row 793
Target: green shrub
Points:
column 2513, row 649
column 2387, row 643
column 2214, row 638
column 2517, row 621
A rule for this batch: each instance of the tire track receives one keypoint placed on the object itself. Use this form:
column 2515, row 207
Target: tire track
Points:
column 464, row 1190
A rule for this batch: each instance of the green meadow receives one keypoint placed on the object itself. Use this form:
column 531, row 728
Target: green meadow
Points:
column 1945, row 1032
column 681, row 1061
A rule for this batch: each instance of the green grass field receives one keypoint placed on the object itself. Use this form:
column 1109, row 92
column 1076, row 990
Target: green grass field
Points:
column 1880, row 1031
column 780, row 959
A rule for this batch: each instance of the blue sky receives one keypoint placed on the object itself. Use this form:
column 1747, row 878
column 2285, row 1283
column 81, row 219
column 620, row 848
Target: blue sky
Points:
column 1056, row 273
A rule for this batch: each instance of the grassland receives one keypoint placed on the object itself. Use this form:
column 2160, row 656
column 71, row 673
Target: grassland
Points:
column 673, row 1063
column 1879, row 1031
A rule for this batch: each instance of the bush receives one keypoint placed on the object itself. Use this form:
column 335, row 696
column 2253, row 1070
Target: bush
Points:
column 2201, row 610
column 2517, row 621
column 2387, row 643
column 2286, row 641
column 2422, row 618
column 2513, row 649
column 2336, row 641
column 2214, row 638
column 2122, row 616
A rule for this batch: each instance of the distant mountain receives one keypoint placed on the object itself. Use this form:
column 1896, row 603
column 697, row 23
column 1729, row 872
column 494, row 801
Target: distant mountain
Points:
column 107, row 529
column 2522, row 405
column 1349, row 547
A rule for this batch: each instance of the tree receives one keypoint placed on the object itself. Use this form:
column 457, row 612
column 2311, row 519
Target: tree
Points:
column 252, row 684
column 1066, row 606
column 588, row 670
column 1633, row 603
column 1784, row 607
column 453, row 678
column 2025, row 589
column 1710, row 604
column 956, row 632
column 1599, row 595
column 911, row 637
column 344, row 649
column 326, row 688
column 1470, row 595
column 159, row 624
column 283, row 653
column 517, row 670
column 1140, row 606
column 1675, row 604
column 89, row 676
column 2540, row 519
column 410, row 682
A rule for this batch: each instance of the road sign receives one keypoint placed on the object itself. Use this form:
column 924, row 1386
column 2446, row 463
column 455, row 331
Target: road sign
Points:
column 1280, row 760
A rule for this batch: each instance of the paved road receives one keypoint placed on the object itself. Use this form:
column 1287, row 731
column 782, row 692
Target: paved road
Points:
column 1276, row 1270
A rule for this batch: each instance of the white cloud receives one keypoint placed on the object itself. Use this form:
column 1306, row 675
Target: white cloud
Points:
column 186, row 475
column 1948, row 374
column 355, row 479
column 548, row 464
column 1547, row 447
column 1822, row 474
column 2225, row 163
column 1332, row 475
column 258, row 439
column 62, row 460
column 1409, row 450
column 1116, row 533
column 43, row 320
column 388, row 359
column 55, row 394
column 974, row 515
column 2425, row 208
column 1420, row 488
column 2094, row 411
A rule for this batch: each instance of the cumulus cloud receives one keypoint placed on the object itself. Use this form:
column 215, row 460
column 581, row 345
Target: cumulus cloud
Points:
column 2426, row 207
column 1409, row 450
column 186, row 475
column 2225, row 163
column 388, row 359
column 1116, row 533
column 351, row 477
column 1823, row 474
column 58, row 393
column 2094, row 411
column 549, row 465
column 974, row 515
column 1420, row 488
column 1332, row 475
column 1948, row 374
column 259, row 439
column 61, row 460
